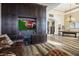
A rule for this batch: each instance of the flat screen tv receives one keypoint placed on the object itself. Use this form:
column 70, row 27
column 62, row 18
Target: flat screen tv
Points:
column 27, row 23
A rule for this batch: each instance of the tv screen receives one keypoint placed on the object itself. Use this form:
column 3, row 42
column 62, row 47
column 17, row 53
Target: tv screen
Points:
column 27, row 24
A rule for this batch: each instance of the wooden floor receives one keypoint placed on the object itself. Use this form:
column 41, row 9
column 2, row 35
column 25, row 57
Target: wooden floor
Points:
column 69, row 45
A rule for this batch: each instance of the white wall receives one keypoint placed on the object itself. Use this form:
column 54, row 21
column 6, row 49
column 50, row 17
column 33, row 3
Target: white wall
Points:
column 58, row 18
column 0, row 19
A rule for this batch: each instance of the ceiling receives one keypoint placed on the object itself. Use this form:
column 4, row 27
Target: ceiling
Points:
column 66, row 7
column 62, row 7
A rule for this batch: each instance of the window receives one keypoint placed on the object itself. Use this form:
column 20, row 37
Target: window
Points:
column 74, row 25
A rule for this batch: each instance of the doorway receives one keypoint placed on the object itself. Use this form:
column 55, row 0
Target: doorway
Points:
column 51, row 26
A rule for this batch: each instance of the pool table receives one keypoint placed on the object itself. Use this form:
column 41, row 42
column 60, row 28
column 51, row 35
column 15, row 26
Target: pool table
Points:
column 69, row 32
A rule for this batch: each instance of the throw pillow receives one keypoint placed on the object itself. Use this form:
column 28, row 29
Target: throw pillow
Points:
column 6, row 39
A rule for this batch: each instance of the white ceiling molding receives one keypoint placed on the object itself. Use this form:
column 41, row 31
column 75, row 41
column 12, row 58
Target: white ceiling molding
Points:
column 72, row 11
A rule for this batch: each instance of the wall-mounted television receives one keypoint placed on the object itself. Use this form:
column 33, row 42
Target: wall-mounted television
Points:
column 27, row 23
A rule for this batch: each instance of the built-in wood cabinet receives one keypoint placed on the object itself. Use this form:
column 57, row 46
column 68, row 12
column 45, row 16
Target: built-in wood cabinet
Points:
column 11, row 11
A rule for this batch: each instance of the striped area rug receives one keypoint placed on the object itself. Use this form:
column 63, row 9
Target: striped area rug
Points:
column 45, row 49
column 70, row 44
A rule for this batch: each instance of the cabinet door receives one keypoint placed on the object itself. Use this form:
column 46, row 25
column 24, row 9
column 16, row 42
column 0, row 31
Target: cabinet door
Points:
column 9, row 19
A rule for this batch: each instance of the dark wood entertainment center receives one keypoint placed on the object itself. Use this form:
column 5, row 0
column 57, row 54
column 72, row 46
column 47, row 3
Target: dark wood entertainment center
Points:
column 11, row 11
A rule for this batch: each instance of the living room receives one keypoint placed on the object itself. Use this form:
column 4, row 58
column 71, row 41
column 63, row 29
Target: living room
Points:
column 39, row 29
